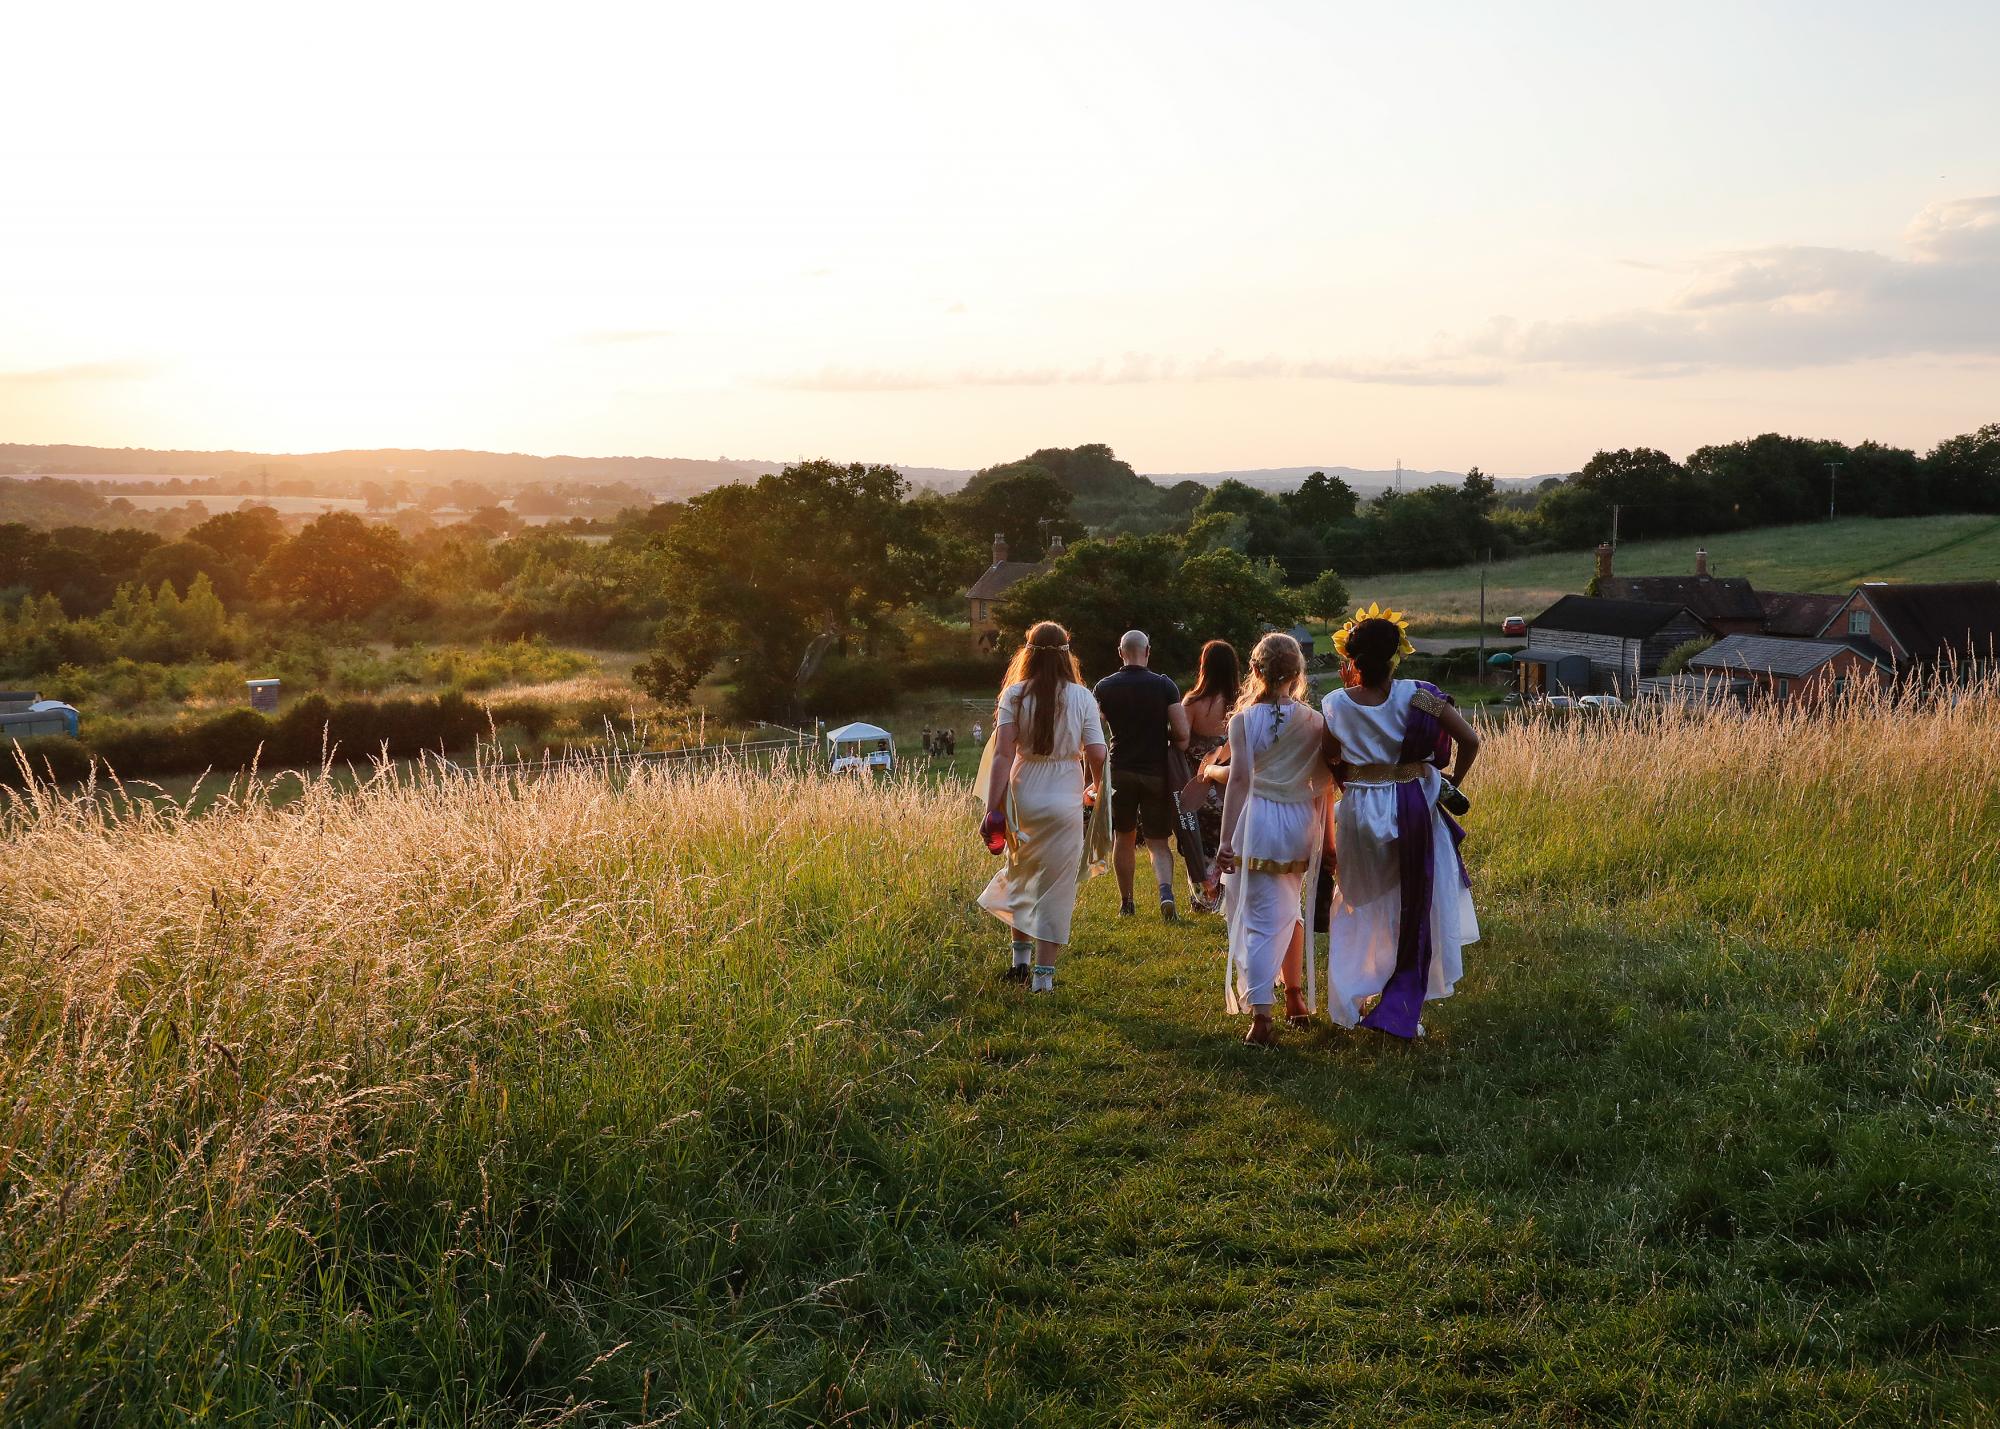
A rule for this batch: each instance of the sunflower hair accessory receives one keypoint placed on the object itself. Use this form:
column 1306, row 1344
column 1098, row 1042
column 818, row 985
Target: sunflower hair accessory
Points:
column 1376, row 612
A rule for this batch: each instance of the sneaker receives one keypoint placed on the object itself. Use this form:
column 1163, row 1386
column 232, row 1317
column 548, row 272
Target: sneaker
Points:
column 1167, row 910
column 1017, row 973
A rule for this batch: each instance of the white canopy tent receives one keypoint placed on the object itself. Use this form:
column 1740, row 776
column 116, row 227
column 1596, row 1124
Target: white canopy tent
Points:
column 861, row 746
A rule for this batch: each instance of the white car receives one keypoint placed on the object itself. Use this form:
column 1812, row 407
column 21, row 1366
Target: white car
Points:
column 1556, row 702
column 1603, row 704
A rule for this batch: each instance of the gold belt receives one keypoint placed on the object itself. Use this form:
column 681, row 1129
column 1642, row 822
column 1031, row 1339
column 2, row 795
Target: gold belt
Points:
column 1382, row 773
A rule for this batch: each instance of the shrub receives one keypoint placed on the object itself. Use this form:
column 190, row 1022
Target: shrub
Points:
column 1677, row 658
column 47, row 757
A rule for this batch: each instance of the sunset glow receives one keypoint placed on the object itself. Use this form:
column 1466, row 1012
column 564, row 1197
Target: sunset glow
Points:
column 1278, row 234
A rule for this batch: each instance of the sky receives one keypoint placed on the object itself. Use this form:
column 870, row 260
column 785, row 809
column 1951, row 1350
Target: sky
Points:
column 1214, row 237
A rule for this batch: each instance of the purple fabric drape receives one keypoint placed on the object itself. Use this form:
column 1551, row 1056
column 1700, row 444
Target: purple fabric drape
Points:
column 1425, row 741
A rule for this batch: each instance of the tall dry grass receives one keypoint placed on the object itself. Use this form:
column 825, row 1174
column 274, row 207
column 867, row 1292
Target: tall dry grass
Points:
column 1872, row 824
column 314, row 1101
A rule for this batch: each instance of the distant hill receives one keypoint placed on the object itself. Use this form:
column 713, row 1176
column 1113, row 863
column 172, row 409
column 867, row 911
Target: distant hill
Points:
column 1364, row 480
column 668, row 478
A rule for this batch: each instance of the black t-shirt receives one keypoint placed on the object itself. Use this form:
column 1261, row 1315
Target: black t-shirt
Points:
column 1135, row 702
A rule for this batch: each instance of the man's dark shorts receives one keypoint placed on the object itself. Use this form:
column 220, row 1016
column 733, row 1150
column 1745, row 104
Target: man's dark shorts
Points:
column 1141, row 801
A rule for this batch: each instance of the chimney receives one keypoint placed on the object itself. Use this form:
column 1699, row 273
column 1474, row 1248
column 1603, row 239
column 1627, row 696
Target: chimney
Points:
column 1055, row 547
column 1701, row 562
column 1604, row 561
column 999, row 547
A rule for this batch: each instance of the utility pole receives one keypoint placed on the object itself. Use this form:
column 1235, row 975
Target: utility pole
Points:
column 1482, row 613
column 1615, row 509
column 1399, row 476
column 1832, row 481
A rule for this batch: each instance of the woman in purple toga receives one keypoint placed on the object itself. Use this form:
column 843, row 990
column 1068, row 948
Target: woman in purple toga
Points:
column 1402, row 907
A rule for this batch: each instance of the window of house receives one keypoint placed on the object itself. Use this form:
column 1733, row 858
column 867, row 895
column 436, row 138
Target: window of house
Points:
column 1857, row 622
column 1784, row 688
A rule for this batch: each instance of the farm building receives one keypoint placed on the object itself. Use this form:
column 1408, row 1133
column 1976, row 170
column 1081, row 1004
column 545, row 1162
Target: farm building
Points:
column 1726, row 604
column 996, row 581
column 1921, row 625
column 1584, row 644
column 1787, row 671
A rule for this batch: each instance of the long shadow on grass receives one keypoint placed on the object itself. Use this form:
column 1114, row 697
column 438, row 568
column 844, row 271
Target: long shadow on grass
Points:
column 1815, row 1169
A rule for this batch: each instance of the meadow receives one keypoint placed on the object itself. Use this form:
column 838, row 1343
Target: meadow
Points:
column 1829, row 556
column 693, row 1098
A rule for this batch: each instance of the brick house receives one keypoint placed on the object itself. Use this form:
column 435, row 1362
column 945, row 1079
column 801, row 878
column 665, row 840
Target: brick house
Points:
column 994, row 582
column 1920, row 626
column 1588, row 644
column 1785, row 670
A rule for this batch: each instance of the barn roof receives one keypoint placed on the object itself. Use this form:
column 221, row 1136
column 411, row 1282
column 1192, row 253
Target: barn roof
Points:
column 1768, row 654
column 1593, row 615
column 1710, row 597
column 1956, row 617
column 999, row 576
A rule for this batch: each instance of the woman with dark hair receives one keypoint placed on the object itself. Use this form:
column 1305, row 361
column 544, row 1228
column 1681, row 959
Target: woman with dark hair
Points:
column 1048, row 744
column 1208, row 707
column 1402, row 907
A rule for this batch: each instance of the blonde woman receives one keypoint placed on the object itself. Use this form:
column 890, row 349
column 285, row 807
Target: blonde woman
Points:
column 1045, row 759
column 1273, row 828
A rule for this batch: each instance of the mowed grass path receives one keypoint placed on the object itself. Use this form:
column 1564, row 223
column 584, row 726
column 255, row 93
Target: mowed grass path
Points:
column 699, row 1102
column 1828, row 556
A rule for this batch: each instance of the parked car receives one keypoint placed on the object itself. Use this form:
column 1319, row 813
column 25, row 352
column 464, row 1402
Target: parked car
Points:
column 1514, row 625
column 1603, row 704
column 1557, row 702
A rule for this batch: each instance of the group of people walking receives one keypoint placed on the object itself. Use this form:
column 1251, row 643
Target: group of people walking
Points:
column 1285, row 814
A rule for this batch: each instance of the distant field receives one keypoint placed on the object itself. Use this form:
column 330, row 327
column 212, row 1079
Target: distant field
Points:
column 1827, row 557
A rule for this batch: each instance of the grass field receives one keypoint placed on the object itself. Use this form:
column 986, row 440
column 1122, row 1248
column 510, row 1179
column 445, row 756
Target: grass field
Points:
column 1830, row 556
column 461, row 1101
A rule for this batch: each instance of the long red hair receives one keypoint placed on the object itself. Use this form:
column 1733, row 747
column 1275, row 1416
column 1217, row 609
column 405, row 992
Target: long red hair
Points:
column 1045, row 664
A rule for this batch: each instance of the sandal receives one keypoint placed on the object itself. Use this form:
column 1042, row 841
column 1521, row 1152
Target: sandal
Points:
column 1261, row 1033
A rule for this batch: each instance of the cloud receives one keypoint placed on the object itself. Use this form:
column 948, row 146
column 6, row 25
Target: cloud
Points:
column 611, row 337
column 1795, row 306
column 1130, row 369
column 79, row 372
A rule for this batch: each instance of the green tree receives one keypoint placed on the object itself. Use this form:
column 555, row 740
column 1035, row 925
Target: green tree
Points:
column 339, row 567
column 1964, row 471
column 1326, row 597
column 1100, row 589
column 179, row 563
column 1024, row 503
column 1321, row 503
column 764, row 571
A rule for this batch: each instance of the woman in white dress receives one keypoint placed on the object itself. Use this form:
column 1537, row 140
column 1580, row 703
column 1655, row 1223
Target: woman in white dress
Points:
column 1402, row 907
column 1273, row 827
column 1045, row 759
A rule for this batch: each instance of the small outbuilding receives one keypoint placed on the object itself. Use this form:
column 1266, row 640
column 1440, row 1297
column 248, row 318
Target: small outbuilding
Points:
column 1588, row 645
column 263, row 695
column 1788, row 671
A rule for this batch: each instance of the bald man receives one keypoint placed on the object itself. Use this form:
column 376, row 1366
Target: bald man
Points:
column 1143, row 711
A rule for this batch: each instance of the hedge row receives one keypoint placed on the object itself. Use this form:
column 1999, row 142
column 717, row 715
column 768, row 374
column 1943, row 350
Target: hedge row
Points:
column 353, row 729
